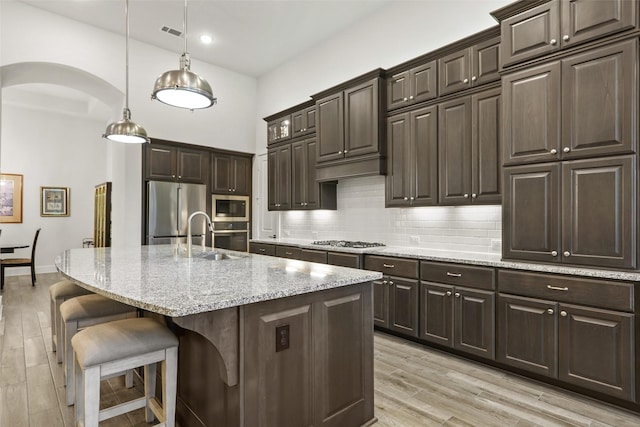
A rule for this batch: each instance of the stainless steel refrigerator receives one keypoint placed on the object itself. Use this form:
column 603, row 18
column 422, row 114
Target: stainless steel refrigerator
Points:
column 169, row 206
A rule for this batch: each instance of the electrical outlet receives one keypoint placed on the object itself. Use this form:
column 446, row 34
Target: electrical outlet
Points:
column 496, row 244
column 414, row 239
column 282, row 337
column 287, row 233
column 314, row 234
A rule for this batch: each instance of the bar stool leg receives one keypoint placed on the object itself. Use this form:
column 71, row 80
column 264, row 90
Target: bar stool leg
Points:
column 78, row 390
column 149, row 389
column 170, row 385
column 52, row 307
column 70, row 329
column 59, row 332
column 91, row 387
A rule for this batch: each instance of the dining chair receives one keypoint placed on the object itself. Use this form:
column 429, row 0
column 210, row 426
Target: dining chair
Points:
column 21, row 262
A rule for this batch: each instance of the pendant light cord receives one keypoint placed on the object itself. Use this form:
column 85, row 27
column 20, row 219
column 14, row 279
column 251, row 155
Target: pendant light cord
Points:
column 126, row 84
column 185, row 27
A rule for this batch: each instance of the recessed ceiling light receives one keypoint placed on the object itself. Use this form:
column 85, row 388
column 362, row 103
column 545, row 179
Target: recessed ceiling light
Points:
column 206, row 39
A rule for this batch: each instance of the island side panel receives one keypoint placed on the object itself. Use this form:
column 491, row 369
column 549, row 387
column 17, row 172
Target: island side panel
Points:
column 324, row 374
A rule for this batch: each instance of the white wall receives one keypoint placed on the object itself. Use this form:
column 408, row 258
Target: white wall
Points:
column 28, row 34
column 41, row 149
column 394, row 34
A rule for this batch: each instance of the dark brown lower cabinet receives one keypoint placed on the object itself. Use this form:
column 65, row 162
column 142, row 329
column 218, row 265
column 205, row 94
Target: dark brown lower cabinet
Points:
column 262, row 248
column 313, row 255
column 457, row 317
column 589, row 347
column 344, row 259
column 324, row 376
column 396, row 305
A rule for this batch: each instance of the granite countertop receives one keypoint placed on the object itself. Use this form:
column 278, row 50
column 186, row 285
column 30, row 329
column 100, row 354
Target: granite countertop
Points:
column 460, row 257
column 159, row 279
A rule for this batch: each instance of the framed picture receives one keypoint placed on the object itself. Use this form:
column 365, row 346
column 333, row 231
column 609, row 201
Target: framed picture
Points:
column 54, row 201
column 10, row 198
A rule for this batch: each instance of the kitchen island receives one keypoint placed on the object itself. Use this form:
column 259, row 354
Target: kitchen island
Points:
column 263, row 341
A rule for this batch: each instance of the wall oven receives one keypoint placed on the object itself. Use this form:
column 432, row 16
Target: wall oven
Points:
column 230, row 216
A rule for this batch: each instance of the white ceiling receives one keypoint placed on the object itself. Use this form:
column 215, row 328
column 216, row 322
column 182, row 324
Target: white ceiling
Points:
column 249, row 36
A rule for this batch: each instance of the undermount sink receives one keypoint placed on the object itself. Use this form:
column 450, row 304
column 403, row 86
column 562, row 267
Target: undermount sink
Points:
column 219, row 256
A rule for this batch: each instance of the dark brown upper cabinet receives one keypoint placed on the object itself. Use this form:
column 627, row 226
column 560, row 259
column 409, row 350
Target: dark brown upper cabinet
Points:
column 279, row 129
column 469, row 149
column 412, row 169
column 557, row 24
column 350, row 129
column 230, row 174
column 176, row 164
column 412, row 86
column 303, row 122
column 577, row 212
column 592, row 113
column 306, row 192
column 279, row 177
column 469, row 67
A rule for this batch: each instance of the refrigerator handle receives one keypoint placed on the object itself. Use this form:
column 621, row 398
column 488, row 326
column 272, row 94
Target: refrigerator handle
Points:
column 179, row 208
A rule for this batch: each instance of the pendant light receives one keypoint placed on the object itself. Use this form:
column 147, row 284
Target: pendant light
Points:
column 125, row 130
column 183, row 88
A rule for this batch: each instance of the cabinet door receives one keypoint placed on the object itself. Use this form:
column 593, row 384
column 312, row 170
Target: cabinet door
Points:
column 161, row 162
column 284, row 128
column 192, row 166
column 403, row 305
column 221, row 174
column 309, row 115
column 272, row 132
column 485, row 59
column 423, row 156
column 599, row 94
column 298, row 175
column 531, row 33
column 599, row 212
column 531, row 213
column 454, row 132
column 585, row 20
column 527, row 334
column 436, row 313
column 486, row 147
column 398, row 186
column 381, row 303
column 455, row 70
column 474, row 322
column 398, row 90
column 424, row 82
column 361, row 114
column 279, row 166
column 532, row 114
column 607, row 337
column 303, row 121
column 241, row 176
column 330, row 128
column 312, row 188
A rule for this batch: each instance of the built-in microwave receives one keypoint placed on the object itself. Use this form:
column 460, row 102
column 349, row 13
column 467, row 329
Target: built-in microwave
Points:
column 229, row 208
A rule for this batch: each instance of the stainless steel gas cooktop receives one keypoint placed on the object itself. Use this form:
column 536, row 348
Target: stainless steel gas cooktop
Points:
column 347, row 243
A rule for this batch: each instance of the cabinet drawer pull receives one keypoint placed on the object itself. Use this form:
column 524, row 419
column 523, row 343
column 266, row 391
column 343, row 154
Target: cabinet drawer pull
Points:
column 288, row 253
column 457, row 294
column 448, row 293
column 563, row 313
column 454, row 274
column 565, row 38
column 557, row 288
column 553, row 42
column 388, row 265
column 390, row 283
column 262, row 250
column 550, row 311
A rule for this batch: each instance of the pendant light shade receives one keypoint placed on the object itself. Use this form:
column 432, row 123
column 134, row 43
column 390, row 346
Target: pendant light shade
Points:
column 183, row 88
column 126, row 130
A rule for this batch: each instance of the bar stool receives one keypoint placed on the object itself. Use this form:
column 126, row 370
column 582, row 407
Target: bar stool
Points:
column 101, row 350
column 84, row 311
column 60, row 292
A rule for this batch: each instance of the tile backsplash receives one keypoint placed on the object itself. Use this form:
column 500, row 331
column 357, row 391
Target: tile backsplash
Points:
column 361, row 215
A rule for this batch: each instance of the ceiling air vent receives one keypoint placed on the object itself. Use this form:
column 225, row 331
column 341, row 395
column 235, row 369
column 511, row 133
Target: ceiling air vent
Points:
column 171, row 31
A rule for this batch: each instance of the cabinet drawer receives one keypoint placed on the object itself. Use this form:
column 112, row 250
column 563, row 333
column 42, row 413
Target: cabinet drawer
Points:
column 313, row 255
column 288, row 252
column 262, row 248
column 392, row 266
column 575, row 290
column 458, row 274
column 344, row 260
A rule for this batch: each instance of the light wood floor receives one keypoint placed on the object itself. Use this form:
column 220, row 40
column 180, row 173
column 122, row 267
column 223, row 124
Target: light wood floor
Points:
column 414, row 386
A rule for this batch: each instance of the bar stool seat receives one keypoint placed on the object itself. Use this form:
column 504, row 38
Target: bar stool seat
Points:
column 60, row 292
column 101, row 350
column 84, row 311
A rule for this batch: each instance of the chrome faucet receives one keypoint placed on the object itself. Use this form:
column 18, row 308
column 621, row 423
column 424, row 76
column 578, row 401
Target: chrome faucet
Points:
column 189, row 240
